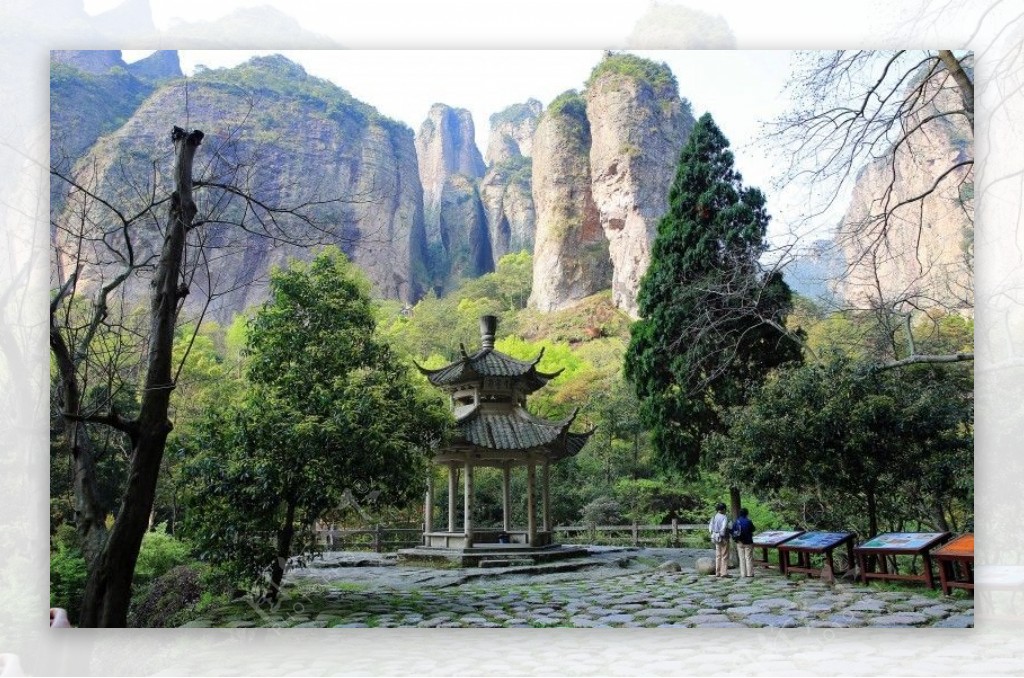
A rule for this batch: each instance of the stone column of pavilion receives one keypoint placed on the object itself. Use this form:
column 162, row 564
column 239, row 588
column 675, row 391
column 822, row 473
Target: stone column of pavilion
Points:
column 488, row 391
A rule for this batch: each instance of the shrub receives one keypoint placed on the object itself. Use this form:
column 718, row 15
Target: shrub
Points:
column 68, row 572
column 602, row 511
column 160, row 553
column 169, row 600
column 632, row 66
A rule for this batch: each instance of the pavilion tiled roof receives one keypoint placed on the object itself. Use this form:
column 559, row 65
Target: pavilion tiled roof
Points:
column 488, row 362
column 517, row 429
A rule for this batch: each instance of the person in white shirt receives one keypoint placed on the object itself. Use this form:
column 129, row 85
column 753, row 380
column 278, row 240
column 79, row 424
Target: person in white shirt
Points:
column 719, row 528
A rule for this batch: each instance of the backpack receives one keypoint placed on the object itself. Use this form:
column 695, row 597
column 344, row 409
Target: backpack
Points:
column 737, row 531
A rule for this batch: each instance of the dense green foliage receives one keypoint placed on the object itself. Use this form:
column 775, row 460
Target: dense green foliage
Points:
column 569, row 103
column 160, row 552
column 710, row 318
column 632, row 66
column 329, row 413
column 68, row 572
column 839, row 445
column 571, row 110
column 516, row 169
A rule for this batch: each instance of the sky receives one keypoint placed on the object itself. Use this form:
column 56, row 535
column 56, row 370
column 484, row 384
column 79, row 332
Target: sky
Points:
column 741, row 89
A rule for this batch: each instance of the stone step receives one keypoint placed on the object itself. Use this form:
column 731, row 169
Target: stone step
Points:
column 506, row 562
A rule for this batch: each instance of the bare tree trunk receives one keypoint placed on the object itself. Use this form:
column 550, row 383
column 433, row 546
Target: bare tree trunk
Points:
column 89, row 511
column 963, row 81
column 872, row 512
column 734, row 511
column 940, row 517
column 284, row 547
column 108, row 591
column 734, row 502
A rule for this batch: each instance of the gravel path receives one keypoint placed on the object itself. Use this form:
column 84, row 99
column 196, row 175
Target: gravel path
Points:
column 611, row 588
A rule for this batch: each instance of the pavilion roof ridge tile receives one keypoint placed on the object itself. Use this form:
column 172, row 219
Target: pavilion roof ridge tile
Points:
column 486, row 362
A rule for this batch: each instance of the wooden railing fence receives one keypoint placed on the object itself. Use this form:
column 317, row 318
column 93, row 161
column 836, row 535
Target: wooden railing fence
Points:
column 382, row 538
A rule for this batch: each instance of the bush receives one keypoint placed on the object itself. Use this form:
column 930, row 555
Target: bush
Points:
column 169, row 600
column 638, row 68
column 68, row 572
column 159, row 554
column 602, row 511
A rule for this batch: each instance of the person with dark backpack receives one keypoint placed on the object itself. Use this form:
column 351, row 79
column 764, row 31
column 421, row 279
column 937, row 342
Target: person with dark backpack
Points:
column 743, row 534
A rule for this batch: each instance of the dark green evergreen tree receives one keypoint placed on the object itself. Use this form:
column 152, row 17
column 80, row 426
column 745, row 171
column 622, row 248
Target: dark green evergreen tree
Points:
column 711, row 318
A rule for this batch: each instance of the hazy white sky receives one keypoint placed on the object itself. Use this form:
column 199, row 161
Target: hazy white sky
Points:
column 741, row 89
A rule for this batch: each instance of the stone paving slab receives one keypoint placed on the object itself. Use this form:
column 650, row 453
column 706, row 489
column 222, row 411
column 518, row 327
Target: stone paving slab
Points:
column 633, row 595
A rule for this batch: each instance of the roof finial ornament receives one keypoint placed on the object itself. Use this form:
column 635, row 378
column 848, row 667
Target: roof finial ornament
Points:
column 488, row 327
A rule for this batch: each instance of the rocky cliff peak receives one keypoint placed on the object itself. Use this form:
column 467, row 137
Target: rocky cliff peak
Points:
column 95, row 61
column 638, row 125
column 511, row 133
column 571, row 258
column 449, row 164
column 446, row 145
column 506, row 188
column 91, row 93
column 157, row 67
column 309, row 138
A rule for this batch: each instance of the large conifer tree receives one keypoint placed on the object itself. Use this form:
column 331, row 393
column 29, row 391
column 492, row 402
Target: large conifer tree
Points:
column 711, row 319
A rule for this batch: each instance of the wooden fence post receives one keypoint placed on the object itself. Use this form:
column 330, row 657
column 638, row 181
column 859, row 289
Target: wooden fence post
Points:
column 636, row 534
column 675, row 532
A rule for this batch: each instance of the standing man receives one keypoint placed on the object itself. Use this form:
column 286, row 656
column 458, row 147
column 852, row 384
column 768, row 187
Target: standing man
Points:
column 743, row 533
column 719, row 528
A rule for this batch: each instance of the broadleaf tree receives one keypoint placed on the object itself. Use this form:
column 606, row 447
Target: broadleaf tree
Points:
column 841, row 444
column 331, row 415
column 712, row 319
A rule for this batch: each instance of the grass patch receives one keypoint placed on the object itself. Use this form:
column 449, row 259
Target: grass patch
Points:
column 909, row 588
column 429, row 563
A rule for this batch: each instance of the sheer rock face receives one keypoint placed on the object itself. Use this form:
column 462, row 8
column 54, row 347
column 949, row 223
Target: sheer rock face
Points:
column 506, row 188
column 353, row 154
column 94, row 61
column 507, row 197
column 925, row 258
column 449, row 163
column 464, row 231
column 638, row 128
column 445, row 145
column 571, row 259
column 512, row 132
column 157, row 67
column 91, row 93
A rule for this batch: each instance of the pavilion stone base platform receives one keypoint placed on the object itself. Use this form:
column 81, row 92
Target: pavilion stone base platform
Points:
column 492, row 555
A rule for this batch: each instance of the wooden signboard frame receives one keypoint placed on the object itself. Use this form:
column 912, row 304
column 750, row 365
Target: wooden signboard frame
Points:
column 960, row 551
column 804, row 553
column 869, row 556
column 771, row 539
